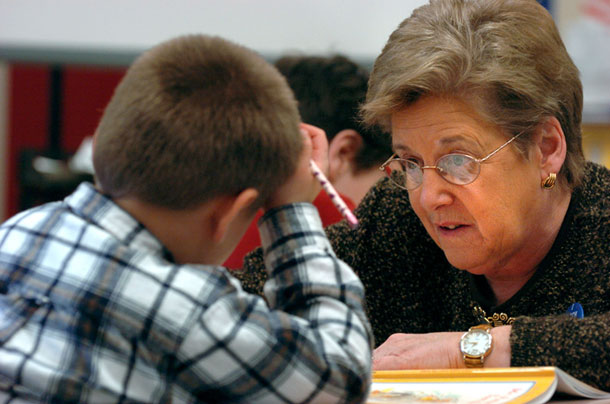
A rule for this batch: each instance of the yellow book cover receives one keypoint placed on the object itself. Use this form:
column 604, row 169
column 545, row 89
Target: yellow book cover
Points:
column 487, row 386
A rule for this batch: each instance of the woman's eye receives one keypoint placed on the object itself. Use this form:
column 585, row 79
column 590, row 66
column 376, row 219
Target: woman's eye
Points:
column 458, row 159
column 411, row 159
column 411, row 165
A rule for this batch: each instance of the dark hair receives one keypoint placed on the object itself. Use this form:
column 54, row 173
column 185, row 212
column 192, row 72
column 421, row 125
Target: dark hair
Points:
column 505, row 57
column 194, row 118
column 330, row 91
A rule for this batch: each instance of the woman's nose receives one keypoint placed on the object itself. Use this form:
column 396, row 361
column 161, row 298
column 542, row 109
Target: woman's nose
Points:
column 434, row 191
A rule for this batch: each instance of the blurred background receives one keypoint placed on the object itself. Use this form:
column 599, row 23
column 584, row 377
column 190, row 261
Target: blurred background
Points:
column 60, row 61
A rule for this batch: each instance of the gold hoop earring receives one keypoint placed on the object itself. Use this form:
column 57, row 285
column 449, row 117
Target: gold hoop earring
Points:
column 549, row 182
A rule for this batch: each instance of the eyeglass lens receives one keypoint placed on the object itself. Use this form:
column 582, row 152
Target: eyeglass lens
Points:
column 457, row 169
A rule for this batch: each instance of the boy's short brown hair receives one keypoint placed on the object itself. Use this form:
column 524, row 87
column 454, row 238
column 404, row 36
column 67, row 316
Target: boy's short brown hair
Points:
column 194, row 118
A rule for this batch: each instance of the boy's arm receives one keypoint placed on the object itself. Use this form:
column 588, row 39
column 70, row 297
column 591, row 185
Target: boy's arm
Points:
column 311, row 340
column 311, row 343
column 307, row 280
column 301, row 187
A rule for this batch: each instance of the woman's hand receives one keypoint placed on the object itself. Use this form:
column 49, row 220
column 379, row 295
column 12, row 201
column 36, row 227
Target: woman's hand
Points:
column 419, row 351
column 437, row 350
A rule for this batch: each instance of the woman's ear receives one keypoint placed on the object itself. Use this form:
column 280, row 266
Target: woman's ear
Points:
column 342, row 152
column 551, row 146
column 229, row 209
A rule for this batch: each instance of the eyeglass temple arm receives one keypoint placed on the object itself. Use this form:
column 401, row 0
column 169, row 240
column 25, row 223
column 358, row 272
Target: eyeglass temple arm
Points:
column 382, row 167
column 490, row 155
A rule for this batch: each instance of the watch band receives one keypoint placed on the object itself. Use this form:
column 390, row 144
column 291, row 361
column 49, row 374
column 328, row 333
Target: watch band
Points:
column 473, row 362
column 477, row 361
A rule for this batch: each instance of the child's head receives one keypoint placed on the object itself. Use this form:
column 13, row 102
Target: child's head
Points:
column 194, row 118
column 330, row 90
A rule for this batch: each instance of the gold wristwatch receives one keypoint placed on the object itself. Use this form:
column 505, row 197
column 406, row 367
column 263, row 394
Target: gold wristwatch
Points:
column 476, row 345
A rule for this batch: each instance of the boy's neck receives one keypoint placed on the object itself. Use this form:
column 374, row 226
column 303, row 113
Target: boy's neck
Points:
column 182, row 232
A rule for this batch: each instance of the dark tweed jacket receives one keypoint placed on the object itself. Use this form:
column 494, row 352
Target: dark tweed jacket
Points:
column 411, row 287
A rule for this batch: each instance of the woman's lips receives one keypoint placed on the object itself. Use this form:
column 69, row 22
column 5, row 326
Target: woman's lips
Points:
column 451, row 229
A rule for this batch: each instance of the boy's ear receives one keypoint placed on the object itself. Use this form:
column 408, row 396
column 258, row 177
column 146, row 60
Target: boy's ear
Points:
column 551, row 146
column 342, row 152
column 230, row 208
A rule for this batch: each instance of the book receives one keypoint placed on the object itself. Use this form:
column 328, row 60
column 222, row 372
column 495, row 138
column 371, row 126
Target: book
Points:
column 488, row 386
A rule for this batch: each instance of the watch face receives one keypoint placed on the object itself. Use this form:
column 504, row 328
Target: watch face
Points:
column 475, row 342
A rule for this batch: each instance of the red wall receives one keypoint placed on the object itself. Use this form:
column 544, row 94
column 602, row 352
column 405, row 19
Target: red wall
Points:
column 84, row 93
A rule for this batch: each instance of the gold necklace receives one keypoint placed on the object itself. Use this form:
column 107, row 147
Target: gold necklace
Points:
column 495, row 320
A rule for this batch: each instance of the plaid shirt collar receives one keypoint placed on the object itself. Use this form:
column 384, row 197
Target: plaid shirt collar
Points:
column 92, row 205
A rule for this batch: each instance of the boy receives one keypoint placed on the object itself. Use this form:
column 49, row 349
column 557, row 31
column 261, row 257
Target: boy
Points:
column 115, row 293
column 329, row 90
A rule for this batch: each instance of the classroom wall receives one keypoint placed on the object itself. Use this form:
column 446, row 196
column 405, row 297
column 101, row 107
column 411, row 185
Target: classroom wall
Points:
column 85, row 90
column 96, row 40
column 357, row 28
column 585, row 29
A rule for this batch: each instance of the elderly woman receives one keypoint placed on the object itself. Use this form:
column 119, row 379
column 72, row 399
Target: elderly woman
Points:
column 491, row 226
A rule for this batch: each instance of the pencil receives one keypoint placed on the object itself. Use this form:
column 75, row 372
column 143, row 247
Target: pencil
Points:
column 352, row 221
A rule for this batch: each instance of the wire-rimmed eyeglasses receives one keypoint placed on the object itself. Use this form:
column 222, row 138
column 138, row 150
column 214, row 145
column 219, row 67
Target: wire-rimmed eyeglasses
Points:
column 455, row 168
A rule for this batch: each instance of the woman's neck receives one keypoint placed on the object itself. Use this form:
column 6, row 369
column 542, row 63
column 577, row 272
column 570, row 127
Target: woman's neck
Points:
column 510, row 278
column 504, row 289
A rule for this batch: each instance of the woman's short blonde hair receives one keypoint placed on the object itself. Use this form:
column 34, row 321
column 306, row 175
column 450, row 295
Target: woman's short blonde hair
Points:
column 504, row 56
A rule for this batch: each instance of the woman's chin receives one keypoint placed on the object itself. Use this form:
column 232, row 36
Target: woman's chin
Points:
column 467, row 260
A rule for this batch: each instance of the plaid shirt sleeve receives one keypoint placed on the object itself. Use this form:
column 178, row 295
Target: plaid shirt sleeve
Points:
column 310, row 343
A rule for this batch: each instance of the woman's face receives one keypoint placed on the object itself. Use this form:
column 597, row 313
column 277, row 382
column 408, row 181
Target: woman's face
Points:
column 490, row 224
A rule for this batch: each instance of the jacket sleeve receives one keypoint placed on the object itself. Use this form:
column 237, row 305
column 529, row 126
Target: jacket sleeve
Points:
column 581, row 347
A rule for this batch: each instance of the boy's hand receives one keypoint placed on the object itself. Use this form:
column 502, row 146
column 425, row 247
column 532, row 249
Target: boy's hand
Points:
column 303, row 186
column 319, row 145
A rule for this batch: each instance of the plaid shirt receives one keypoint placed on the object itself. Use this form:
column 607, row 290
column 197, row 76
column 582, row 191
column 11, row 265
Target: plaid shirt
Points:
column 93, row 309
